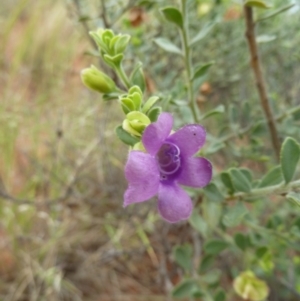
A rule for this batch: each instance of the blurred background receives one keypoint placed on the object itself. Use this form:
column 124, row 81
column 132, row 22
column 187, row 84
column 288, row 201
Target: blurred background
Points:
column 64, row 234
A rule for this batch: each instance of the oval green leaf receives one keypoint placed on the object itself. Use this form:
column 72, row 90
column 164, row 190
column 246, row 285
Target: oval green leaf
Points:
column 167, row 45
column 184, row 289
column 125, row 136
column 173, row 15
column 239, row 180
column 273, row 177
column 215, row 246
column 289, row 157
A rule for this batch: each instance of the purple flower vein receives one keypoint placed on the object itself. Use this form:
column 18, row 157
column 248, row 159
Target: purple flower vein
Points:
column 168, row 162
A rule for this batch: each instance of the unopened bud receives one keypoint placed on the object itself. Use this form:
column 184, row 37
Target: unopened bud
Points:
column 97, row 80
column 249, row 287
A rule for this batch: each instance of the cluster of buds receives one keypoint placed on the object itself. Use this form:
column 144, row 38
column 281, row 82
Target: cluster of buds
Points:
column 111, row 46
column 138, row 114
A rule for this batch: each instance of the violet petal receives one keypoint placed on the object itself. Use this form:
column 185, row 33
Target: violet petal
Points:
column 142, row 174
column 195, row 172
column 189, row 139
column 174, row 204
column 156, row 133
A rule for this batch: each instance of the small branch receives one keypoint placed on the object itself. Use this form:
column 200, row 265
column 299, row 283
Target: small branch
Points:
column 188, row 62
column 84, row 24
column 260, row 83
column 279, row 189
column 103, row 15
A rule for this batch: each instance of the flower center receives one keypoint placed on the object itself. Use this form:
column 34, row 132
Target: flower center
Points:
column 168, row 159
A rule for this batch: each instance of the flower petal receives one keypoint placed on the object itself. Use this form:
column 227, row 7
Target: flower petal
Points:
column 156, row 133
column 141, row 171
column 189, row 139
column 195, row 172
column 174, row 204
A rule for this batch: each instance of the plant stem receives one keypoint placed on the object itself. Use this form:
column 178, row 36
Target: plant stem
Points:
column 122, row 75
column 188, row 62
column 279, row 189
column 260, row 83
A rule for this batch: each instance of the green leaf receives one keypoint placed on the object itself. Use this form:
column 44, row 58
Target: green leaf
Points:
column 183, row 256
column 125, row 136
column 121, row 43
column 233, row 113
column 173, row 15
column 167, row 45
column 220, row 295
column 294, row 197
column 212, row 212
column 127, row 105
column 154, row 113
column 202, row 70
column 258, row 3
column 211, row 277
column 247, row 173
column 206, row 263
column 227, row 181
column 212, row 193
column 184, row 289
column 273, row 177
column 218, row 110
column 198, row 223
column 260, row 252
column 289, row 157
column 239, row 180
column 234, row 215
column 138, row 78
column 149, row 103
column 203, row 33
column 276, row 12
column 215, row 246
column 241, row 241
column 265, row 38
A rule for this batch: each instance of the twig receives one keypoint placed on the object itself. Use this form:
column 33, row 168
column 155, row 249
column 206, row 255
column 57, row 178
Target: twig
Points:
column 260, row 83
column 279, row 189
column 84, row 24
column 187, row 56
column 103, row 15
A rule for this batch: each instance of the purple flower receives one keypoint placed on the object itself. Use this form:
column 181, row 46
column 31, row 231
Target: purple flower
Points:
column 168, row 162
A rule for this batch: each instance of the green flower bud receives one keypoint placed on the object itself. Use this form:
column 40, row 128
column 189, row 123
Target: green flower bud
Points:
column 97, row 80
column 249, row 287
column 135, row 123
column 109, row 43
column 132, row 101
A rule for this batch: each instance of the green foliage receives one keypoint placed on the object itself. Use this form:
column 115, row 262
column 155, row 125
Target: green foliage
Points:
column 289, row 157
column 185, row 289
column 273, row 177
column 239, row 180
column 167, row 45
column 173, row 15
column 234, row 215
column 215, row 246
column 183, row 256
